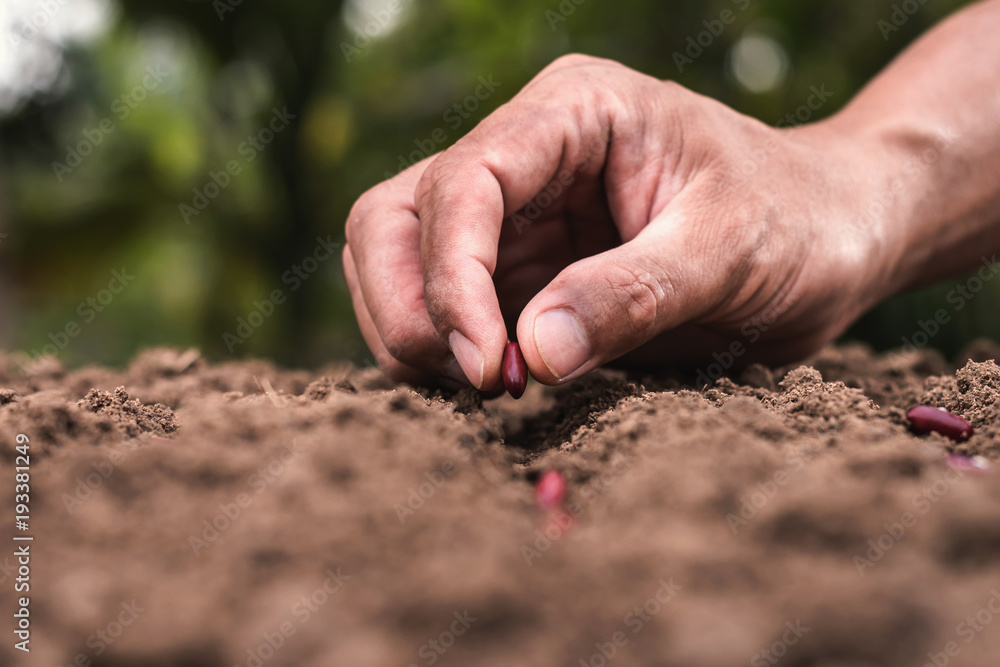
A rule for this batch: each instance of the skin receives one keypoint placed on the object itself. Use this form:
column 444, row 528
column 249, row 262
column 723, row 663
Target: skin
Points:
column 680, row 225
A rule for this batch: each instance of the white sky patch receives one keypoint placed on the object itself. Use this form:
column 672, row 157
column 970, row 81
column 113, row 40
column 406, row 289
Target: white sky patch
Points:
column 34, row 34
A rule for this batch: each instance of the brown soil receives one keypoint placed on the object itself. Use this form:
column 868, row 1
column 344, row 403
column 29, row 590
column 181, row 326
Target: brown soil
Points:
column 190, row 514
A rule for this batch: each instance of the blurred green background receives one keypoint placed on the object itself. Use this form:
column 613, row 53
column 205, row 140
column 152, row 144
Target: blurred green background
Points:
column 115, row 113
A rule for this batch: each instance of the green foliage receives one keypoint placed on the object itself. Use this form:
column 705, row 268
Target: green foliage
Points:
column 363, row 107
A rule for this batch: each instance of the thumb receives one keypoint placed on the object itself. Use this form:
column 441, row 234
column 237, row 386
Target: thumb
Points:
column 604, row 306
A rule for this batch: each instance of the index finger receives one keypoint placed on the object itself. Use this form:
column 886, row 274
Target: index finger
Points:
column 463, row 198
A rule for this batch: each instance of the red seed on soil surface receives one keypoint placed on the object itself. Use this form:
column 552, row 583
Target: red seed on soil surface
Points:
column 926, row 418
column 514, row 370
column 551, row 490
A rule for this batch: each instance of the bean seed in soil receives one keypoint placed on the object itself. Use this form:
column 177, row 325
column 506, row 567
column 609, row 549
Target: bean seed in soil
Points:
column 551, row 490
column 926, row 419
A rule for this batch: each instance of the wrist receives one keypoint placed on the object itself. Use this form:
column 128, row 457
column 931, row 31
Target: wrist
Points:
column 904, row 200
column 858, row 203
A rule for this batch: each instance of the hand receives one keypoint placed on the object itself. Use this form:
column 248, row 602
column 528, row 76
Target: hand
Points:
column 605, row 215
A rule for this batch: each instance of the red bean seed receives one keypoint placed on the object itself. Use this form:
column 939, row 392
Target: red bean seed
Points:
column 551, row 490
column 926, row 418
column 514, row 370
column 967, row 464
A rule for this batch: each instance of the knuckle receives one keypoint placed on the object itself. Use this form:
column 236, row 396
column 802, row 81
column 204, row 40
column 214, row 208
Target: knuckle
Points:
column 573, row 70
column 350, row 231
column 440, row 186
column 347, row 262
column 574, row 60
column 675, row 94
column 362, row 209
column 352, row 227
column 671, row 87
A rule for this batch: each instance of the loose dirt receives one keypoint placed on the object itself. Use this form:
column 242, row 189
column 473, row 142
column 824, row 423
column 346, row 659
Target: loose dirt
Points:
column 185, row 513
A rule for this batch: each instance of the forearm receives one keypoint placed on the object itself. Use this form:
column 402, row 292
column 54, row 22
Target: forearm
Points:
column 930, row 127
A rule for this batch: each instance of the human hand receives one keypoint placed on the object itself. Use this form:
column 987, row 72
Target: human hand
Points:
column 606, row 215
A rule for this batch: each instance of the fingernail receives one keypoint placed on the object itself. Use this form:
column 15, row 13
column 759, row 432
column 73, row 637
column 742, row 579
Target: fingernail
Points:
column 561, row 341
column 469, row 358
column 452, row 369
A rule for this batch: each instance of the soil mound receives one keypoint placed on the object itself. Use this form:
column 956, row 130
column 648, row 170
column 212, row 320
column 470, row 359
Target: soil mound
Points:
column 185, row 513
